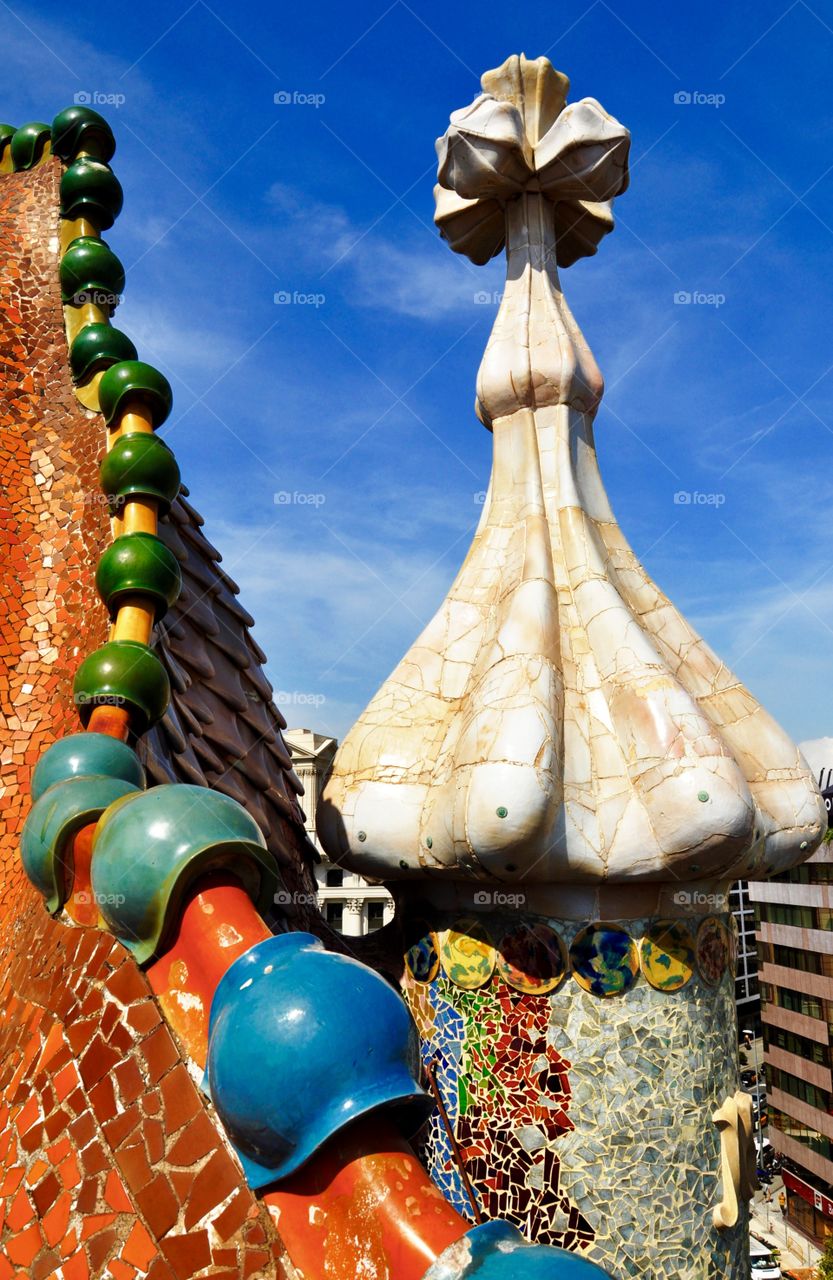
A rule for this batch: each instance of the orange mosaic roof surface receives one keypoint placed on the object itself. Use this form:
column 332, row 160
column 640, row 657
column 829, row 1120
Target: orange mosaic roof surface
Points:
column 111, row 1162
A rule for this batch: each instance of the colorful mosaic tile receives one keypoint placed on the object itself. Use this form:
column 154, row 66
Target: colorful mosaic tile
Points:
column 112, row 1164
column 541, row 1120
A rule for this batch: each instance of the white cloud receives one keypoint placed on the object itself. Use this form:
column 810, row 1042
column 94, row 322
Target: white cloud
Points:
column 419, row 278
column 337, row 609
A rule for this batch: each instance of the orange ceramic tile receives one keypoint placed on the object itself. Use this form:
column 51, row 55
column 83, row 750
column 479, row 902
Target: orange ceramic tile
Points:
column 139, row 1249
column 94, row 1222
column 77, row 1267
column 56, row 1219
column 121, row 1270
column 24, row 1246
column 115, row 1194
column 21, row 1211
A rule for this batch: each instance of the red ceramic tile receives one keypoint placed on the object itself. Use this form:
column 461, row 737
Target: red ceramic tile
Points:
column 158, row 1205
column 211, row 1186
column 188, row 1253
column 180, row 1098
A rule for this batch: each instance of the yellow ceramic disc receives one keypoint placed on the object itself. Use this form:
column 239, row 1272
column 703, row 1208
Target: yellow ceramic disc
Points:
column 666, row 954
column 467, row 954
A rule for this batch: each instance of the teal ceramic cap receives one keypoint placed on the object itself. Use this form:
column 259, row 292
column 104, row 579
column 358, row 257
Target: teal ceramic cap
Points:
column 301, row 1042
column 150, row 847
column 497, row 1251
column 83, row 755
column 58, row 815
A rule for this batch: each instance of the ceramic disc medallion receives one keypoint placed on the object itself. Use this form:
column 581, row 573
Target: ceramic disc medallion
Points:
column 712, row 950
column 604, row 959
column 666, row 954
column 423, row 958
column 467, row 954
column 532, row 958
column 734, row 944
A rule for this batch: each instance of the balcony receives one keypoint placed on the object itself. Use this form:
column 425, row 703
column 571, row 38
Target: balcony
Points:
column 798, row 1023
column 819, row 941
column 808, row 984
column 803, row 1156
column 801, row 1068
column 794, row 895
column 812, row 1117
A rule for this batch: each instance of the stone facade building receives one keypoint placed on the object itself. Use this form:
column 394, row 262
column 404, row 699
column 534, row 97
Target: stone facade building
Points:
column 351, row 905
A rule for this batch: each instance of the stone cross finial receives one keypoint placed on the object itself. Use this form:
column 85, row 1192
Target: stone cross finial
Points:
column 519, row 135
column 558, row 722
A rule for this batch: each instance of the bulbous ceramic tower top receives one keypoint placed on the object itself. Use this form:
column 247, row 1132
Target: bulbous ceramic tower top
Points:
column 558, row 721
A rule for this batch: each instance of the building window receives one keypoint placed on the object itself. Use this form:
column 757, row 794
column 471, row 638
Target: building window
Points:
column 335, row 878
column 809, row 873
column 792, row 958
column 808, row 1093
column 375, row 916
column 798, row 1131
column 798, row 1003
column 334, row 913
column 778, row 913
column 774, row 1037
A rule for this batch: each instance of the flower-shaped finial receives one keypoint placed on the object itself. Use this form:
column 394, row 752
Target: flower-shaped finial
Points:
column 557, row 724
column 519, row 135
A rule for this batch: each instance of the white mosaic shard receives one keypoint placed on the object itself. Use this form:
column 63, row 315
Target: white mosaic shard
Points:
column 558, row 720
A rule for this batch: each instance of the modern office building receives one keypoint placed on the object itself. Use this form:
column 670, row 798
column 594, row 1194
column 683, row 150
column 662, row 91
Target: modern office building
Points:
column 794, row 929
column 349, row 903
column 747, row 991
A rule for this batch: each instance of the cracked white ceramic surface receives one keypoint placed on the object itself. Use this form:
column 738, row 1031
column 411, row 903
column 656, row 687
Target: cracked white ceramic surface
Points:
column 558, row 720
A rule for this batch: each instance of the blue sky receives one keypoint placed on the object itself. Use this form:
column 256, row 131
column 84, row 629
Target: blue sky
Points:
column 355, row 399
